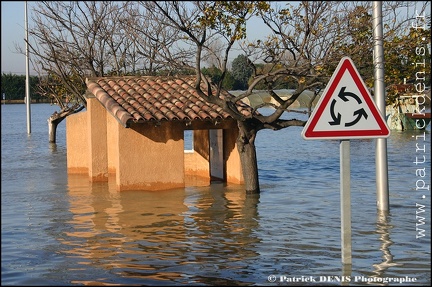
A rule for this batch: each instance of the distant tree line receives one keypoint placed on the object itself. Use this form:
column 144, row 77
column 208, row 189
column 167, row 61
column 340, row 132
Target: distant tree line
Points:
column 13, row 87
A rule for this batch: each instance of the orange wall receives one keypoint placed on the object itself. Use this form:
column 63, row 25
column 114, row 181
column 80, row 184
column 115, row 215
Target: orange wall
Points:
column 77, row 143
column 233, row 167
column 150, row 158
column 196, row 165
column 97, row 140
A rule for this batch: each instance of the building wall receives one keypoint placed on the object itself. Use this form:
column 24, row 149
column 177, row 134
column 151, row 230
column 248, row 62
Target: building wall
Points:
column 196, row 165
column 149, row 157
column 77, row 143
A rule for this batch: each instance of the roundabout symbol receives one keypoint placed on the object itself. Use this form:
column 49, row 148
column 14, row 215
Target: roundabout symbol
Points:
column 358, row 114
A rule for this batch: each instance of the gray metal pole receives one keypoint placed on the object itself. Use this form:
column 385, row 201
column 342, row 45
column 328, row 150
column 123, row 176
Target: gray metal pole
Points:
column 345, row 201
column 28, row 99
column 379, row 91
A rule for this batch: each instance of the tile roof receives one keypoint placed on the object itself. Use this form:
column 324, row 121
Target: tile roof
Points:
column 145, row 98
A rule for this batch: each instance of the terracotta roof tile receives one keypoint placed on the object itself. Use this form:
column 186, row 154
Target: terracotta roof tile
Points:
column 140, row 99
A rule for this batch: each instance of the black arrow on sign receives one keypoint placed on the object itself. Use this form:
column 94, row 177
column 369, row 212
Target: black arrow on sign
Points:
column 343, row 95
column 336, row 119
column 360, row 112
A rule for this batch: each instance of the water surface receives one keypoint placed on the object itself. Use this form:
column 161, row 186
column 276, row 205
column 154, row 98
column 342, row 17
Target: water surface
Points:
column 62, row 230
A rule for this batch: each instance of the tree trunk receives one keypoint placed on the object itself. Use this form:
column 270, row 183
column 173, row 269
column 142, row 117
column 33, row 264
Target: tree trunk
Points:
column 56, row 118
column 52, row 128
column 247, row 151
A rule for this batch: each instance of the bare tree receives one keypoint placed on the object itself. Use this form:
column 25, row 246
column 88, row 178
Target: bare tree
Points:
column 74, row 40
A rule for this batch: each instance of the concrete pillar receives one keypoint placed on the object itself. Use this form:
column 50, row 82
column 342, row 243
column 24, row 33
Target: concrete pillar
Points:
column 233, row 166
column 77, row 143
column 97, row 140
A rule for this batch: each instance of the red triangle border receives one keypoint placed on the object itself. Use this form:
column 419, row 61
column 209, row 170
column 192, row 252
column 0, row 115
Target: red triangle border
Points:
column 384, row 131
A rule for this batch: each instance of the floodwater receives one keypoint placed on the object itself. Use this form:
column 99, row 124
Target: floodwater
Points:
column 62, row 230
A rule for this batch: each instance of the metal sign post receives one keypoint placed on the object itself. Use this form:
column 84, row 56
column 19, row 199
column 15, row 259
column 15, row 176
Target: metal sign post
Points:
column 345, row 111
column 345, row 200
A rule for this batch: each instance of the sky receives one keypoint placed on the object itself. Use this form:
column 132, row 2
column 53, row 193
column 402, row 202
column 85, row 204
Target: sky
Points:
column 13, row 32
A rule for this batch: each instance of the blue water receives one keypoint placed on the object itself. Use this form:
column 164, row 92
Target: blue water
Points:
column 62, row 230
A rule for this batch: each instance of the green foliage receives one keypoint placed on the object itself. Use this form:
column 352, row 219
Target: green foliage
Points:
column 241, row 71
column 401, row 51
column 358, row 43
column 407, row 59
column 215, row 76
column 13, row 87
column 402, row 54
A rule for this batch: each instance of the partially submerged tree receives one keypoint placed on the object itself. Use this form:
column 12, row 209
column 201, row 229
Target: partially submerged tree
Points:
column 74, row 40
column 52, row 87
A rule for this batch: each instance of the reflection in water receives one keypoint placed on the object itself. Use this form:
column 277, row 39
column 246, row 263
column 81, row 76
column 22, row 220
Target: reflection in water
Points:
column 161, row 236
column 383, row 229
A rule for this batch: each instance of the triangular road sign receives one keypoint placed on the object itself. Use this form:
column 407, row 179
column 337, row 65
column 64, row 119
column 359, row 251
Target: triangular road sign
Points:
column 345, row 110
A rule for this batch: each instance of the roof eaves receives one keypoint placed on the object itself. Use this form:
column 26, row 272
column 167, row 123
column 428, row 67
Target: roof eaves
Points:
column 121, row 115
